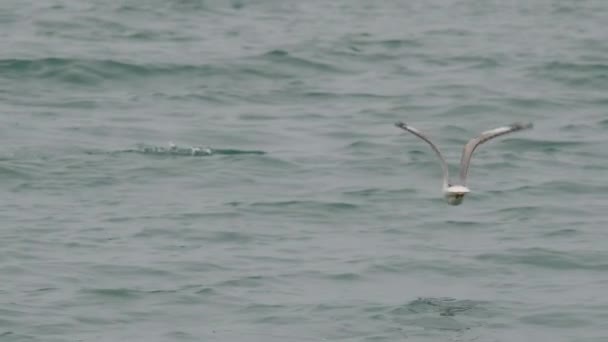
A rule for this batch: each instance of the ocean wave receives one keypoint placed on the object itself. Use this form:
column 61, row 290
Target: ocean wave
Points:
column 282, row 57
column 444, row 306
column 564, row 186
column 16, row 172
column 363, row 39
column 549, row 258
column 348, row 96
column 119, row 293
column 230, row 237
column 362, row 145
column 526, row 144
column 470, row 109
column 529, row 103
column 462, row 62
column 377, row 192
column 87, row 71
column 566, row 232
column 558, row 319
column 174, row 150
column 310, row 204
column 573, row 187
column 573, row 74
column 576, row 67
column 571, row 127
column 272, row 65
column 246, row 281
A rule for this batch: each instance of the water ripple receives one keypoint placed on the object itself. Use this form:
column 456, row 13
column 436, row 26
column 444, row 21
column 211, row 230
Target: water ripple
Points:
column 309, row 205
column 574, row 74
column 174, row 150
column 442, row 306
column 550, row 259
column 281, row 58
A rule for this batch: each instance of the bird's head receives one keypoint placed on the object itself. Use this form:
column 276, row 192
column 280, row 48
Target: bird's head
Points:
column 454, row 194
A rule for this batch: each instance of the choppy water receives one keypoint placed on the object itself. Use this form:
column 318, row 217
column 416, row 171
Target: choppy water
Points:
column 229, row 171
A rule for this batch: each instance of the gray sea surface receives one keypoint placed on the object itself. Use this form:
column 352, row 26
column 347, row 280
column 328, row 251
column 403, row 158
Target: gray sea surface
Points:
column 189, row 170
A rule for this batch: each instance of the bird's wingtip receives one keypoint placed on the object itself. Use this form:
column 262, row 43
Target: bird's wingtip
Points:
column 399, row 124
column 523, row 125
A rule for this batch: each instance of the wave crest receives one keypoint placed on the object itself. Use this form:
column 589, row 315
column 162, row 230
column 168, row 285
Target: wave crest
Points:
column 174, row 150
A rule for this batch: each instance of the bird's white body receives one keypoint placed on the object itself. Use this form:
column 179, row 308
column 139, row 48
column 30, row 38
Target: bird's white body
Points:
column 454, row 194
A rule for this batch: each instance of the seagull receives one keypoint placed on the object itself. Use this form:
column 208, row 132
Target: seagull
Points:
column 454, row 193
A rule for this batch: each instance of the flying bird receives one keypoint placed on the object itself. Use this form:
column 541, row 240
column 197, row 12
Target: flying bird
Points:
column 454, row 193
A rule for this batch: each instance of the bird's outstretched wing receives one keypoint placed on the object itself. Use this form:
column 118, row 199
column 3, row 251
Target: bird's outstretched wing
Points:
column 470, row 147
column 444, row 165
